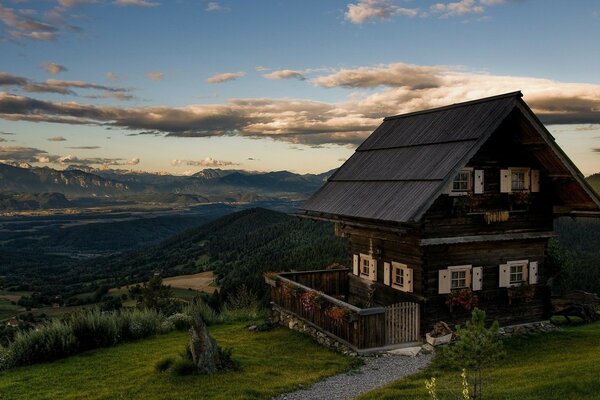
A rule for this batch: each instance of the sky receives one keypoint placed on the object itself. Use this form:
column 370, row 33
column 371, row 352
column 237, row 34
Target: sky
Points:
column 181, row 85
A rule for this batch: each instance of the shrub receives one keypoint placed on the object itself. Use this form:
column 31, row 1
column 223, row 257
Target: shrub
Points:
column 52, row 341
column 164, row 364
column 180, row 321
column 93, row 329
column 200, row 309
column 137, row 324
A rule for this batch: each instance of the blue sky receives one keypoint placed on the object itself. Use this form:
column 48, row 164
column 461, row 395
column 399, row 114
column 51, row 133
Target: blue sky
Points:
column 271, row 85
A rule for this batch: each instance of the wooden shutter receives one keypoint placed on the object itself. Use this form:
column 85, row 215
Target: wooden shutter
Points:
column 478, row 184
column 386, row 273
column 477, row 280
column 373, row 269
column 535, row 180
column 408, row 279
column 355, row 266
column 527, row 183
column 505, row 181
column 504, row 274
column 533, row 273
column 443, row 281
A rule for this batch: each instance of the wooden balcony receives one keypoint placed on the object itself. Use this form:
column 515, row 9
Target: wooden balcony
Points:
column 318, row 298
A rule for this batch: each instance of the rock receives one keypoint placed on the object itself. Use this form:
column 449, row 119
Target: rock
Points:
column 406, row 351
column 204, row 349
column 252, row 328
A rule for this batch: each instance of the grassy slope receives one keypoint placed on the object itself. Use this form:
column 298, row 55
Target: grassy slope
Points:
column 560, row 365
column 272, row 362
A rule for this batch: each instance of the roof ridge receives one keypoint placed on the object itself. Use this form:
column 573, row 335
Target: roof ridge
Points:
column 456, row 105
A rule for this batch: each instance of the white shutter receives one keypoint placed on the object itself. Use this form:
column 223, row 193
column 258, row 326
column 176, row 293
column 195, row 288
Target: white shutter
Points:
column 373, row 269
column 527, row 180
column 408, row 279
column 505, row 181
column 535, row 180
column 533, row 273
column 386, row 273
column 504, row 274
column 478, row 186
column 477, row 280
column 443, row 281
column 355, row 266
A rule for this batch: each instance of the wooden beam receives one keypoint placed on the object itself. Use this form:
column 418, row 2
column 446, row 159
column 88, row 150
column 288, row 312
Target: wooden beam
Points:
column 486, row 238
column 359, row 224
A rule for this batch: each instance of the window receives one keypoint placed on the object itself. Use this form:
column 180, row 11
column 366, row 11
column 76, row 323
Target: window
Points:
column 462, row 182
column 458, row 279
column 364, row 266
column 516, row 274
column 398, row 276
column 517, row 180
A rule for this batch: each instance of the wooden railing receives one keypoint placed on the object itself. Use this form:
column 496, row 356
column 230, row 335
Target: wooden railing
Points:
column 361, row 328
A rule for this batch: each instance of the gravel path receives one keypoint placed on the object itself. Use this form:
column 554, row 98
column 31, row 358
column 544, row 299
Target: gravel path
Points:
column 377, row 372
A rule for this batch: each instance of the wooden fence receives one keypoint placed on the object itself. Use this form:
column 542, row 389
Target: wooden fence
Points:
column 361, row 328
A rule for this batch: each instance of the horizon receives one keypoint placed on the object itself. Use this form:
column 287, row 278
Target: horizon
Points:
column 178, row 87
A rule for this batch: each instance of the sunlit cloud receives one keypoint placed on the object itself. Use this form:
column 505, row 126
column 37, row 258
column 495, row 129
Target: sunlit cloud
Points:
column 56, row 139
column 376, row 10
column 53, row 68
column 215, row 6
column 84, row 147
column 155, row 75
column 225, row 77
column 207, row 162
column 285, row 74
column 136, row 3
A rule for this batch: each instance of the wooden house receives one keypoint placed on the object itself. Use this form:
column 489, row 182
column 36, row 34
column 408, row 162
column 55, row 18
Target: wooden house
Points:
column 443, row 208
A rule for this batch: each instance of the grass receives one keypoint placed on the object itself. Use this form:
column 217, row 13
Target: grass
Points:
column 558, row 365
column 271, row 363
column 9, row 310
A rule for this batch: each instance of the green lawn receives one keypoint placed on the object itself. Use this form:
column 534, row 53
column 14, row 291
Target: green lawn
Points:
column 272, row 362
column 559, row 365
column 9, row 310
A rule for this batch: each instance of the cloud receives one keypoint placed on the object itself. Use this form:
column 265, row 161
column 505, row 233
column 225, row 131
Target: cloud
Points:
column 21, row 24
column 133, row 161
column 285, row 74
column 155, row 75
column 224, row 77
column 395, row 75
column 53, row 68
column 84, row 147
column 400, row 88
column 56, row 139
column 207, row 162
column 6, row 133
column 21, row 154
column 260, row 68
column 137, row 3
column 63, row 87
column 73, row 3
column 370, row 10
column 214, row 6
column 111, row 76
column 461, row 7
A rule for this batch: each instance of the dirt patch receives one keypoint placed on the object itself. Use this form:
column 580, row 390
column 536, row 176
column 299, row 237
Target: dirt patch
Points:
column 204, row 282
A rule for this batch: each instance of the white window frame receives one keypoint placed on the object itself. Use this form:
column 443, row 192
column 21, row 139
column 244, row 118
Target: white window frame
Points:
column 524, row 172
column 459, row 192
column 371, row 275
column 407, row 277
column 467, row 269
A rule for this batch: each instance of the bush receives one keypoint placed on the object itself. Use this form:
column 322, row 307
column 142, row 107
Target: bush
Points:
column 93, row 329
column 183, row 366
column 180, row 321
column 138, row 324
column 164, row 364
column 52, row 341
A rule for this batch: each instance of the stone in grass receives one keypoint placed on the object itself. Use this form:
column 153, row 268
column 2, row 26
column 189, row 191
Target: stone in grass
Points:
column 406, row 351
column 207, row 356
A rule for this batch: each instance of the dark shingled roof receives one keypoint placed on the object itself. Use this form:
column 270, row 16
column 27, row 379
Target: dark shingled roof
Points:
column 408, row 161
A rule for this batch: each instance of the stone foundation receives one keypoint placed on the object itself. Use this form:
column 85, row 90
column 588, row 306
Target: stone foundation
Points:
column 282, row 317
column 527, row 329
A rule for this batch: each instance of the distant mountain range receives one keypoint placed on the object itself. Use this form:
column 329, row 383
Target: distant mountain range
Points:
column 206, row 185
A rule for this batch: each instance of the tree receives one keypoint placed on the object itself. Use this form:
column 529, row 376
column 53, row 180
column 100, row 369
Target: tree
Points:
column 154, row 292
column 476, row 347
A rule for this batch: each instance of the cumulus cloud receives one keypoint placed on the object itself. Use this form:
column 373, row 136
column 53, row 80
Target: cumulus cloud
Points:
column 137, row 3
column 400, row 88
column 84, row 147
column 63, row 87
column 207, row 162
column 53, row 68
column 370, row 10
column 56, row 139
column 224, row 77
column 396, row 75
column 22, row 24
column 461, row 7
column 155, row 75
column 285, row 74
column 20, row 154
column 215, row 6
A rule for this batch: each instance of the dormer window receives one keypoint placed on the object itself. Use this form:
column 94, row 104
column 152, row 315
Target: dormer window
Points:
column 462, row 181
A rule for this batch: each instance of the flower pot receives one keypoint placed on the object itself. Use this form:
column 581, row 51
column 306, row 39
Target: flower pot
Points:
column 436, row 341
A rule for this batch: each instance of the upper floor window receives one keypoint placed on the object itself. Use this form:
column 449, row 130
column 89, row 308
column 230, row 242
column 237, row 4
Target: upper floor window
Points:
column 462, row 182
column 397, row 276
column 516, row 274
column 458, row 279
column 518, row 180
column 365, row 264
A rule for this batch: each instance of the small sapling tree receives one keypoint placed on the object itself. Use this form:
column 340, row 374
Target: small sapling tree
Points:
column 476, row 347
